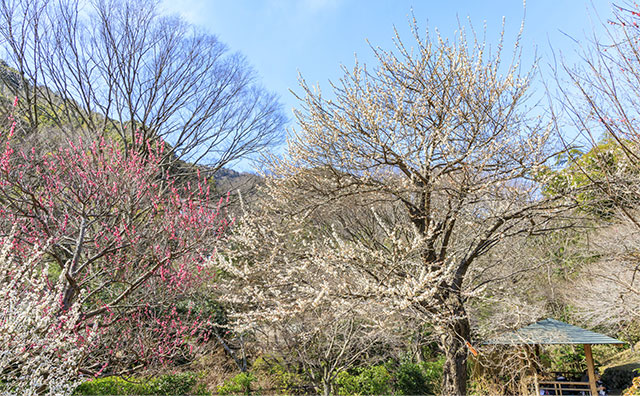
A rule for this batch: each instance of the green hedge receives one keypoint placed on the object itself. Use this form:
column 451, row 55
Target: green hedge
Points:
column 170, row 384
column 403, row 378
column 238, row 385
column 619, row 377
column 372, row 380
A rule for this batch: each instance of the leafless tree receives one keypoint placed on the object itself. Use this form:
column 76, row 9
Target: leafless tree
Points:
column 121, row 68
column 607, row 291
column 600, row 98
column 437, row 149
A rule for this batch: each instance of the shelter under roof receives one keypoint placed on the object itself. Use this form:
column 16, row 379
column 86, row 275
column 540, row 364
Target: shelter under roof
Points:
column 551, row 331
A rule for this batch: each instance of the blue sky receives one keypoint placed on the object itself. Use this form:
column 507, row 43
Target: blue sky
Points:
column 314, row 37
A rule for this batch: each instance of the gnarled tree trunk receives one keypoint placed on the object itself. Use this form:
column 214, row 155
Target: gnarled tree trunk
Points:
column 454, row 334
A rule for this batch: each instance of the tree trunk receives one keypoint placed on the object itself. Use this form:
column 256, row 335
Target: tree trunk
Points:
column 453, row 339
column 327, row 383
column 327, row 388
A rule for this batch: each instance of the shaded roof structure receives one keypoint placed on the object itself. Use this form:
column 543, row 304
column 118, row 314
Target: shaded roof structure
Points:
column 551, row 331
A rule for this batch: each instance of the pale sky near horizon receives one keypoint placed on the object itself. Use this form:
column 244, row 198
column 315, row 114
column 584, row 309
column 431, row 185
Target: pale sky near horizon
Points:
column 314, row 37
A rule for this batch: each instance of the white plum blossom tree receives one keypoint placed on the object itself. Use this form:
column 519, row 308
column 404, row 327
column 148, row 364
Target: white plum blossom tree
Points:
column 41, row 343
column 397, row 187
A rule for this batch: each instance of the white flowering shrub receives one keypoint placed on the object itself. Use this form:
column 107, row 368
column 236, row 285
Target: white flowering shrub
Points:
column 40, row 344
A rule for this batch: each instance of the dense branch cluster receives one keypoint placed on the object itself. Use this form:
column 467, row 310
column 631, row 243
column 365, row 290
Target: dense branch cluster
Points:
column 120, row 68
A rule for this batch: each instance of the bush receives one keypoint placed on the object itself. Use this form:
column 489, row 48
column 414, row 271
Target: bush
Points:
column 634, row 389
column 411, row 380
column 170, row 384
column 112, row 386
column 373, row 380
column 285, row 381
column 238, row 385
column 407, row 378
column 618, row 377
column 418, row 379
column 180, row 384
column 433, row 371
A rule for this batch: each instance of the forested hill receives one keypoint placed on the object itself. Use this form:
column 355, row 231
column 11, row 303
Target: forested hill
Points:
column 11, row 86
column 144, row 77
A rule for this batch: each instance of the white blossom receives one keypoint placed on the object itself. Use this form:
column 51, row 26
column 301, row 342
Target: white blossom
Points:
column 40, row 345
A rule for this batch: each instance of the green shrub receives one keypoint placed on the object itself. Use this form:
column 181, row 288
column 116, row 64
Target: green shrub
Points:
column 284, row 380
column 410, row 380
column 406, row 378
column 634, row 389
column 180, row 384
column 238, row 385
column 433, row 370
column 418, row 379
column 373, row 380
column 618, row 377
column 112, row 386
column 170, row 384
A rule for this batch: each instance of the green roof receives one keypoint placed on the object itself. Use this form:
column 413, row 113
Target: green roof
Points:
column 551, row 331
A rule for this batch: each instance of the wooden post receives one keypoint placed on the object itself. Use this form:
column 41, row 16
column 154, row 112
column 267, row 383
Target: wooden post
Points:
column 590, row 369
